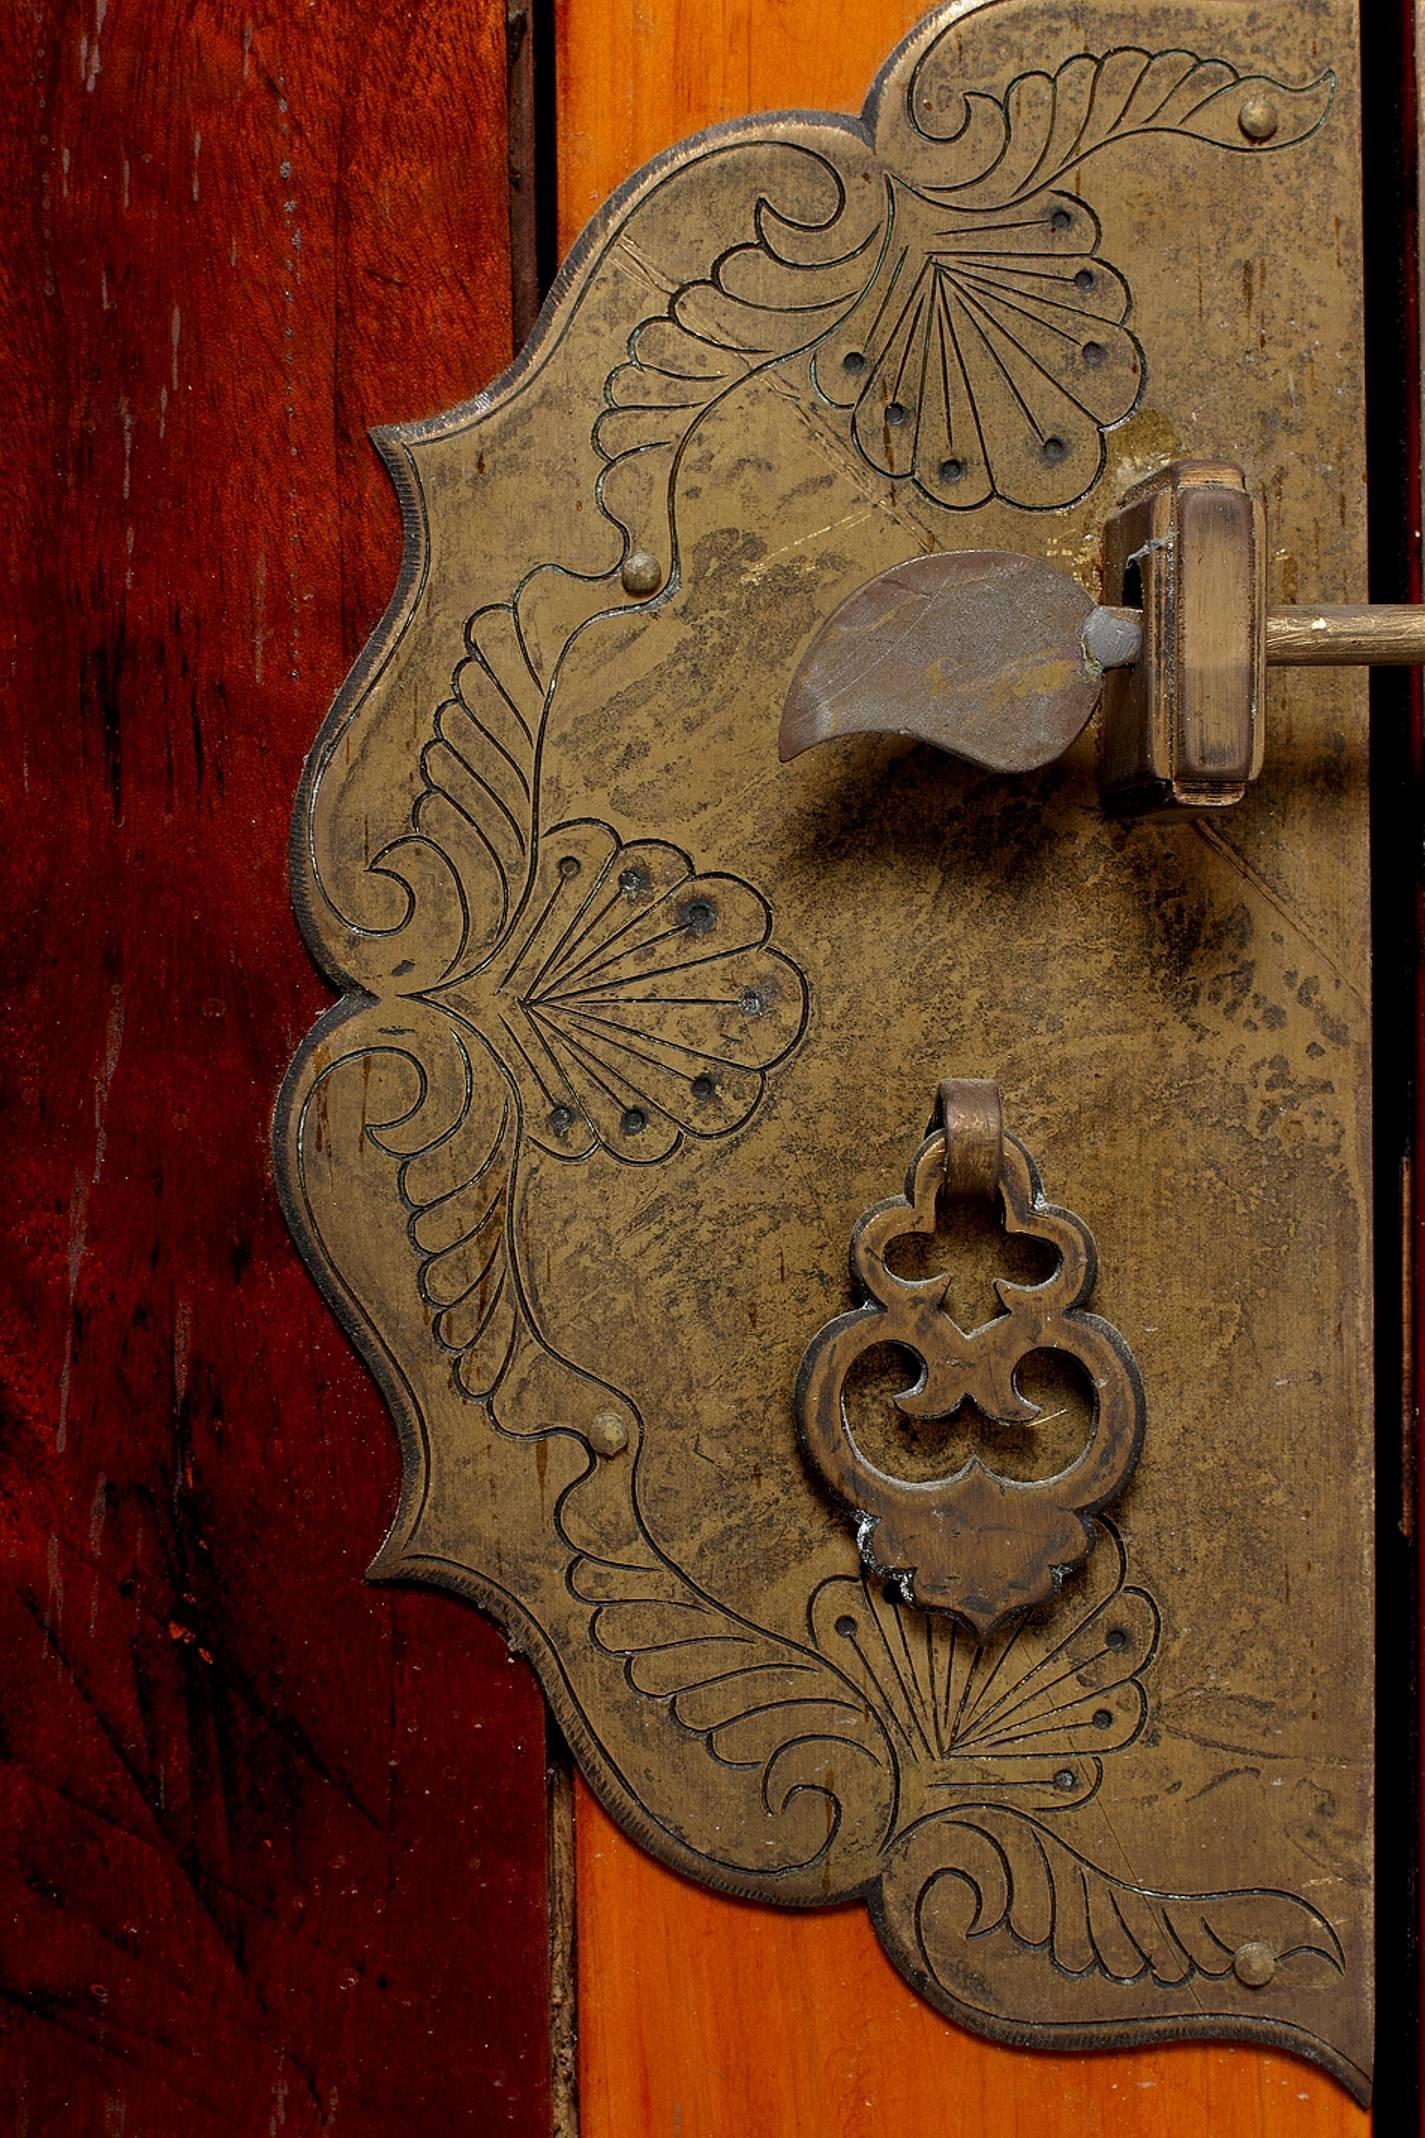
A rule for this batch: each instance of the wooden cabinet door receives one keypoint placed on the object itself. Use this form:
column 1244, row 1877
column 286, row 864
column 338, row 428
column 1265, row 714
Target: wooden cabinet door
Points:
column 273, row 1840
column 284, row 1851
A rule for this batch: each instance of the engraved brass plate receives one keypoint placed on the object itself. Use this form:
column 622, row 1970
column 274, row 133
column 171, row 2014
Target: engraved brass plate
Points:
column 636, row 1022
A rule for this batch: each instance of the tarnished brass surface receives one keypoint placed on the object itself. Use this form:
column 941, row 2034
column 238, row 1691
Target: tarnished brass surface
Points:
column 636, row 1021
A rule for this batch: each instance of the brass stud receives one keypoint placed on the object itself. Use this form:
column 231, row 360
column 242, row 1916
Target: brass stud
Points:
column 642, row 574
column 608, row 1433
column 1254, row 1964
column 1258, row 119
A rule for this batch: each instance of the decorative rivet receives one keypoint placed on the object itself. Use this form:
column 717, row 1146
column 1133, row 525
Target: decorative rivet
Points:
column 1254, row 1964
column 642, row 574
column 562, row 1119
column 608, row 1433
column 1065, row 1780
column 1258, row 119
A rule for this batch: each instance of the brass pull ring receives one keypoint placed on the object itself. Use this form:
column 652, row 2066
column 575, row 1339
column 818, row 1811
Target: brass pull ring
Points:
column 975, row 1543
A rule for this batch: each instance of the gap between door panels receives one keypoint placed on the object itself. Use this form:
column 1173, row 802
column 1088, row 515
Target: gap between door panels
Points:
column 533, row 136
column 1391, row 42
column 534, row 159
column 1391, row 213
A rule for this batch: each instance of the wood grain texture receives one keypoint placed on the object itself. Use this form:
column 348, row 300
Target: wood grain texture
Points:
column 699, row 2015
column 706, row 2017
column 272, row 1843
column 634, row 79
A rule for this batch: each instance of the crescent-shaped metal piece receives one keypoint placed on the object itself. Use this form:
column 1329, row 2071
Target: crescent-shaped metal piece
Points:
column 978, row 651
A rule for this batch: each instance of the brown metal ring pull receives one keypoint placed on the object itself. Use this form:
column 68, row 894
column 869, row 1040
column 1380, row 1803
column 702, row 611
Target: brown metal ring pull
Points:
column 975, row 1543
column 1002, row 659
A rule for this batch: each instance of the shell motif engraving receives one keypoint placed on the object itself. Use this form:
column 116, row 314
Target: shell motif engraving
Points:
column 950, row 295
column 519, row 995
column 638, row 1000
column 989, row 353
column 562, row 991
column 1027, row 1712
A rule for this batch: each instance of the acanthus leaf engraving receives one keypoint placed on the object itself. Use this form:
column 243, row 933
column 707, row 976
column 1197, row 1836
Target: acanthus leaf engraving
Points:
column 534, row 989
column 966, row 322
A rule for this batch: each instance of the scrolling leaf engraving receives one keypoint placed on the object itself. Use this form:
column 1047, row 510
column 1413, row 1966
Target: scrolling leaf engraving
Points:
column 995, row 1741
column 522, row 997
column 1002, row 1871
column 953, row 302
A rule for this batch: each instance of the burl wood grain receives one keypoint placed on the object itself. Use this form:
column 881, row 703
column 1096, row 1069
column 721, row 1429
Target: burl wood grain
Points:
column 702, row 2016
column 272, row 1842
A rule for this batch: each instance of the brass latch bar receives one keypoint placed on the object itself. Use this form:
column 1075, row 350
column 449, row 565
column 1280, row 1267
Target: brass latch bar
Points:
column 1299, row 635
column 1345, row 635
column 1002, row 659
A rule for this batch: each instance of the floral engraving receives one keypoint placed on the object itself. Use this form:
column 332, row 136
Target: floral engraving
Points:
column 989, row 353
column 957, row 1759
column 638, row 1000
column 629, row 1003
column 955, row 308
column 1015, row 1712
column 520, row 997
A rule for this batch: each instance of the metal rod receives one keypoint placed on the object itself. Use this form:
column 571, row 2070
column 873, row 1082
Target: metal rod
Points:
column 1321, row 635
column 1346, row 635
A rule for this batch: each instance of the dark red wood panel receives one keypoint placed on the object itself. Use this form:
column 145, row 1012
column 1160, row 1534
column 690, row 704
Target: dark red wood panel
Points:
column 272, row 1843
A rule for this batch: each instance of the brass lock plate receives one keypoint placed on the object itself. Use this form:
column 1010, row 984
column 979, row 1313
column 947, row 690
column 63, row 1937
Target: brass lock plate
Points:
column 636, row 1022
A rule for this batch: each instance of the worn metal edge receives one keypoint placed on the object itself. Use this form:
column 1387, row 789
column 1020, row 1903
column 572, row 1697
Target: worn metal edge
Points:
column 394, row 443
column 528, row 1638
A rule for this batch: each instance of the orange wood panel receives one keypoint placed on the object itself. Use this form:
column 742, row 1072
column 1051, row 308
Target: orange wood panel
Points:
column 636, row 76
column 702, row 2017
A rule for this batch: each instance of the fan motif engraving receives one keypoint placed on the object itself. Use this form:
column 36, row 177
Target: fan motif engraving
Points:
column 523, row 997
column 961, row 326
column 631, row 1002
